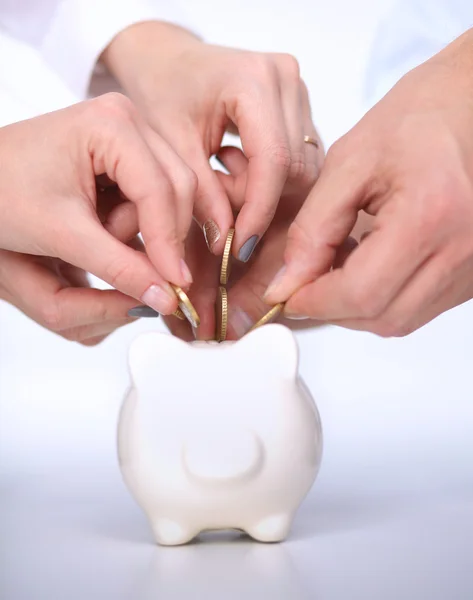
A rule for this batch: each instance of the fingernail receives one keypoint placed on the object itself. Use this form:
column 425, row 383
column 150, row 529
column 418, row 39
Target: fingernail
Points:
column 211, row 233
column 273, row 286
column 240, row 322
column 186, row 272
column 159, row 298
column 295, row 317
column 142, row 311
column 247, row 249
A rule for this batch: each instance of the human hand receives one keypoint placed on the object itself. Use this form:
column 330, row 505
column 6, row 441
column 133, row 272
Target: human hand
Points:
column 245, row 290
column 49, row 208
column 191, row 93
column 409, row 163
column 248, row 281
column 59, row 297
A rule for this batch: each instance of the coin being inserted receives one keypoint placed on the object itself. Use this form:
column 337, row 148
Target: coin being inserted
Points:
column 270, row 316
column 227, row 258
column 221, row 315
column 186, row 306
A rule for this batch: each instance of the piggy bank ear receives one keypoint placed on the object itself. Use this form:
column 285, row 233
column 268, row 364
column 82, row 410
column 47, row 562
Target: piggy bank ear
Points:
column 153, row 352
column 271, row 348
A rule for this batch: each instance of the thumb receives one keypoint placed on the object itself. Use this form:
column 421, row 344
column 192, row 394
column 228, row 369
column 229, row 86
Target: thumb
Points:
column 96, row 251
column 320, row 228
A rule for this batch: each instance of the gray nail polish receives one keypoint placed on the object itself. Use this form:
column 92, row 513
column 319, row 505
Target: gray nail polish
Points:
column 142, row 311
column 247, row 249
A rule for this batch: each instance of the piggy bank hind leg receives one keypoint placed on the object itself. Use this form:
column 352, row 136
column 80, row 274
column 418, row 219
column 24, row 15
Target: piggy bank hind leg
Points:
column 273, row 528
column 168, row 532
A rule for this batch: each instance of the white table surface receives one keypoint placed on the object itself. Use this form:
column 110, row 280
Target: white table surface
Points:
column 391, row 514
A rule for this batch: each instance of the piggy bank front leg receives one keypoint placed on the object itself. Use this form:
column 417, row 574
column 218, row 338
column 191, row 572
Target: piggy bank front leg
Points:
column 273, row 528
column 168, row 532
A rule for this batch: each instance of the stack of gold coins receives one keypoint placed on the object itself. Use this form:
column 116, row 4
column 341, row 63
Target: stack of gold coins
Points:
column 221, row 306
column 187, row 311
column 221, row 314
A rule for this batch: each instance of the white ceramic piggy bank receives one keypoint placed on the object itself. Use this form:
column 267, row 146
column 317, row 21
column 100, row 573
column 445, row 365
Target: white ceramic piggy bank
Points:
column 219, row 436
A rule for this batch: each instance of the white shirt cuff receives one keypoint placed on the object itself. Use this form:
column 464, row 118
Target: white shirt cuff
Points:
column 81, row 29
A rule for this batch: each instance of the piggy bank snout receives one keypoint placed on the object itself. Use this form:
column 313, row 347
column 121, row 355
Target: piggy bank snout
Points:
column 223, row 454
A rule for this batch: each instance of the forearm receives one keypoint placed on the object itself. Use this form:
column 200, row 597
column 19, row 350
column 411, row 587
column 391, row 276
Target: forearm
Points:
column 128, row 55
column 451, row 73
column 457, row 60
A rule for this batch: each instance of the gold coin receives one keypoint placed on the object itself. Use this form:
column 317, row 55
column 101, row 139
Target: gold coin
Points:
column 221, row 315
column 270, row 316
column 179, row 314
column 186, row 306
column 226, row 258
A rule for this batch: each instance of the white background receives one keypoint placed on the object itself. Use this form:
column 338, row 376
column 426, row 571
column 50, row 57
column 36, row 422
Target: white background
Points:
column 391, row 514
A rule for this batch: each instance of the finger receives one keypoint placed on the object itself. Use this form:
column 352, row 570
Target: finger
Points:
column 321, row 226
column 137, row 244
column 121, row 152
column 233, row 159
column 78, row 307
column 122, row 224
column 122, row 221
column 72, row 276
column 181, row 176
column 246, row 303
column 108, row 198
column 313, row 154
column 245, row 298
column 262, row 128
column 38, row 292
column 371, row 278
column 93, row 341
column 234, row 183
column 211, row 206
column 204, row 290
column 125, row 269
column 440, row 284
column 344, row 252
column 91, row 335
column 363, row 226
column 181, row 329
column 291, row 98
column 103, row 183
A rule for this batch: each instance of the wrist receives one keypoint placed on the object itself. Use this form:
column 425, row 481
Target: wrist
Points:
column 144, row 49
column 456, row 61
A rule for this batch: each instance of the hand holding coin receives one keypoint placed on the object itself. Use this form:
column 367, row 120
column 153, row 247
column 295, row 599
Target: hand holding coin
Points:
column 242, row 307
column 229, row 311
column 228, row 294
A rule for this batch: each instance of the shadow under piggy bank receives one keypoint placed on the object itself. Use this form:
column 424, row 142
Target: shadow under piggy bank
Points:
column 222, row 566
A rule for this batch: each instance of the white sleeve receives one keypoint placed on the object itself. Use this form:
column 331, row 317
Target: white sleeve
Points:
column 71, row 34
column 412, row 32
